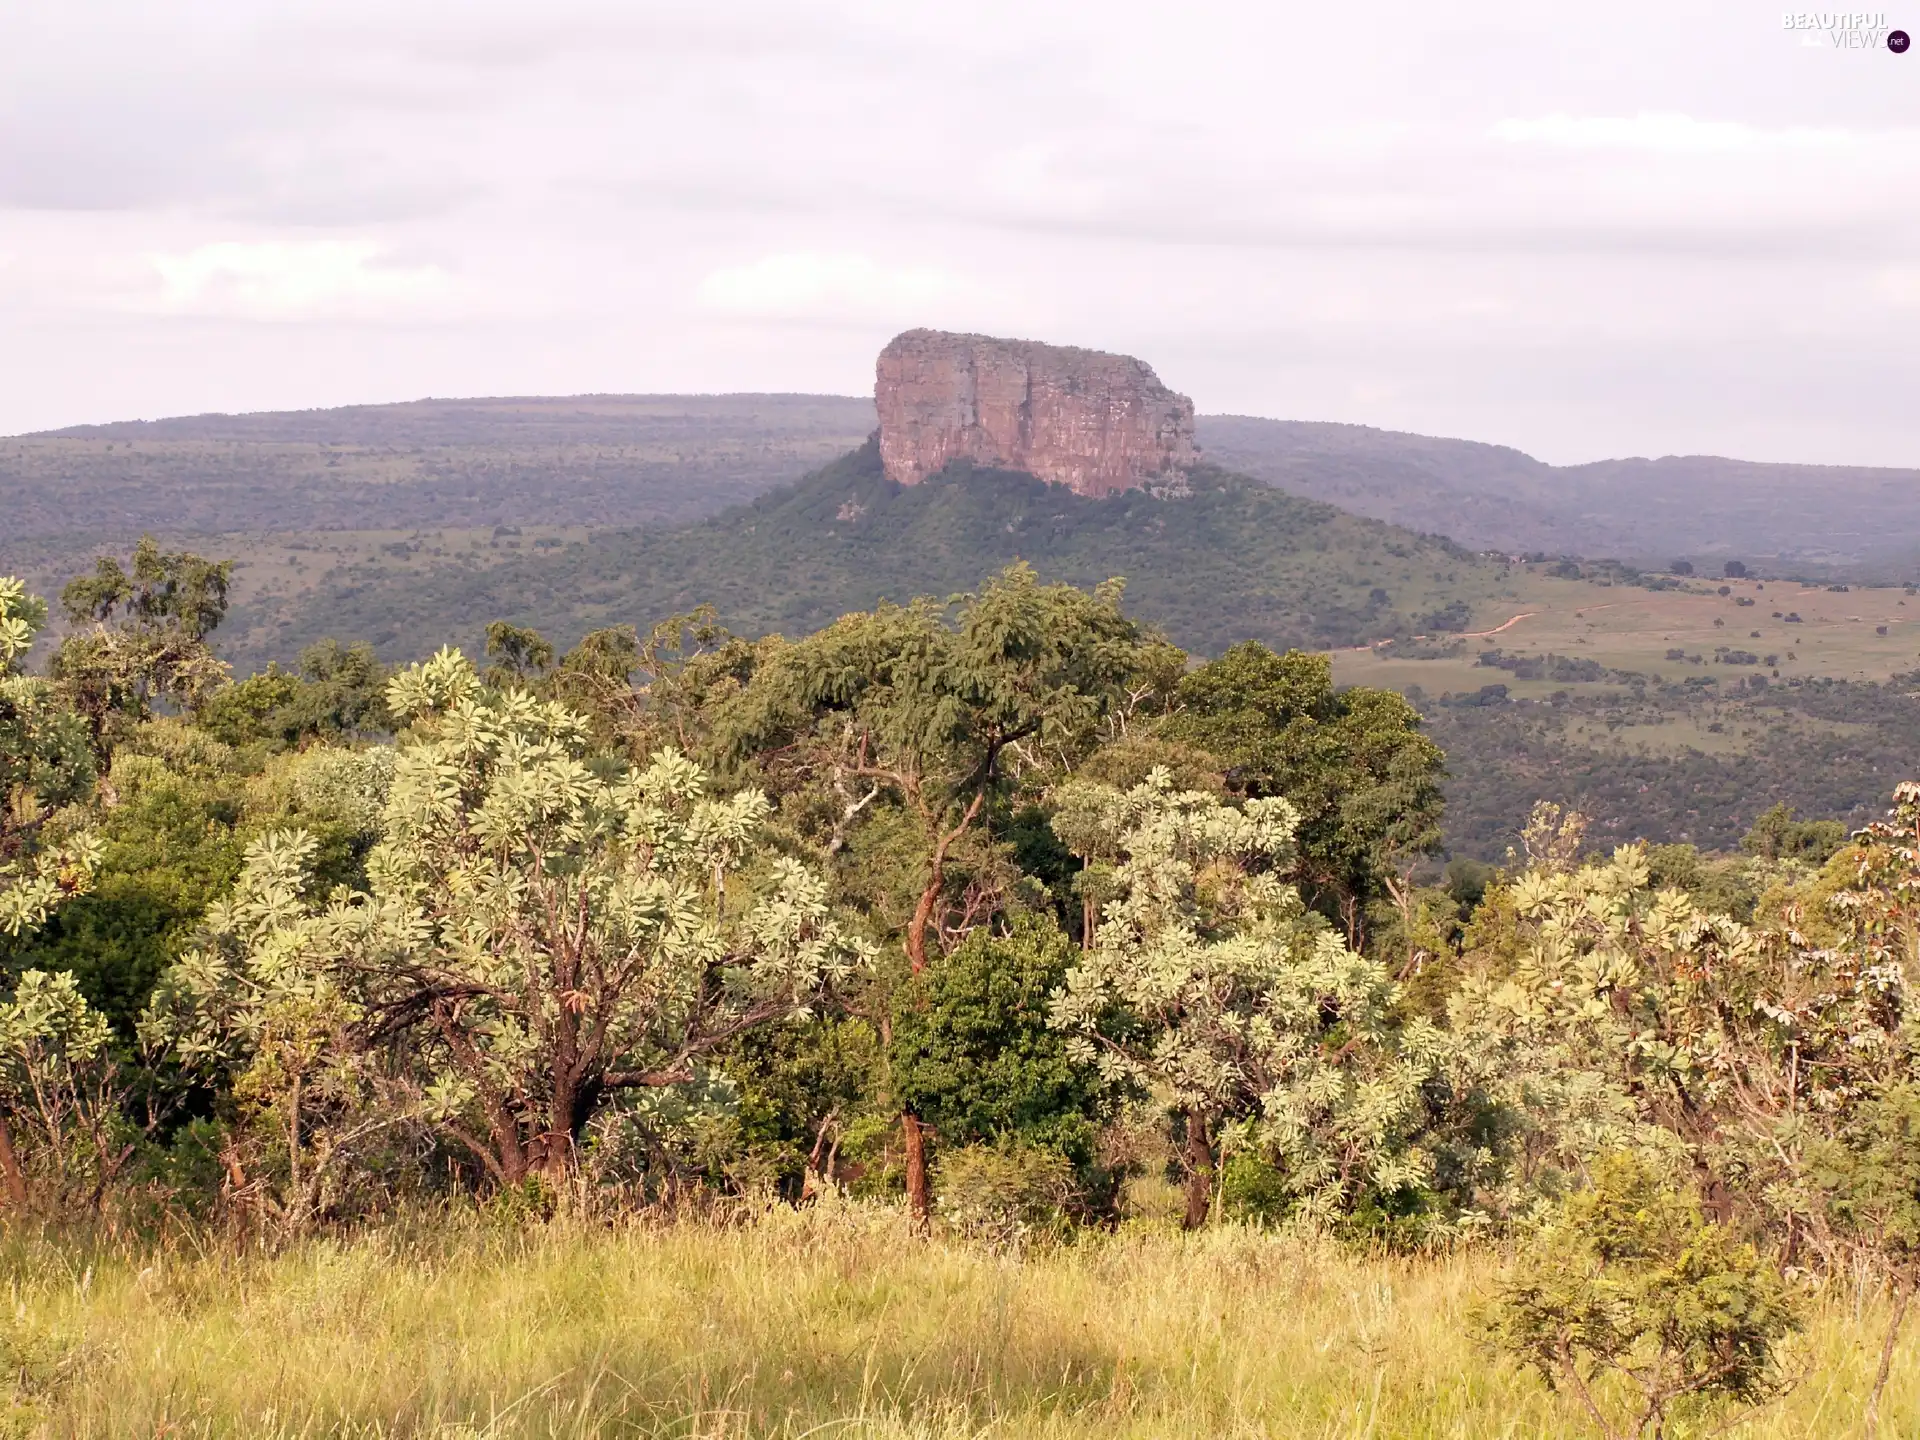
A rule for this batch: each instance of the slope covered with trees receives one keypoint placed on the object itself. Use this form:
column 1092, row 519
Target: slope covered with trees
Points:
column 1233, row 560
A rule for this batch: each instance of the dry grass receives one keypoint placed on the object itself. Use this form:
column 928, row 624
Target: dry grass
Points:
column 830, row 1323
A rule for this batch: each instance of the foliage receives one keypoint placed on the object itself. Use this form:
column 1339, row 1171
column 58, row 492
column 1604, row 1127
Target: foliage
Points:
column 540, row 937
column 1005, row 1194
column 1209, row 983
column 1630, row 1282
column 45, row 766
column 974, row 1056
column 941, row 717
column 1354, row 763
column 64, row 1138
column 1776, row 835
column 337, row 694
column 140, row 636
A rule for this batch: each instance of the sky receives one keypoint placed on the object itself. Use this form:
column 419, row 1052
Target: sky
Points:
column 1585, row 231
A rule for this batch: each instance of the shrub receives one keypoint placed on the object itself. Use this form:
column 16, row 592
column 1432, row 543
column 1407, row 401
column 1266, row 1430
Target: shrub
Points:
column 1630, row 1284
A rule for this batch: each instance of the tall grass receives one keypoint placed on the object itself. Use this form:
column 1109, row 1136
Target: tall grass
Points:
column 830, row 1323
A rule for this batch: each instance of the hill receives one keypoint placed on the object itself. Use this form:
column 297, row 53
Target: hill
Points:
column 1233, row 560
column 628, row 460
column 1702, row 507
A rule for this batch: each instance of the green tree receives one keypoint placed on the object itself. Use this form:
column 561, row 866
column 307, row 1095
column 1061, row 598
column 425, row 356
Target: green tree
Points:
column 46, row 767
column 1776, row 835
column 64, row 1138
column 942, row 710
column 1363, row 778
column 1631, row 1283
column 543, row 935
column 1210, row 983
column 338, row 693
column 976, row 1059
column 140, row 635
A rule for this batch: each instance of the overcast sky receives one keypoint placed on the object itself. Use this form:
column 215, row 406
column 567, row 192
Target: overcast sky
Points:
column 1655, row 228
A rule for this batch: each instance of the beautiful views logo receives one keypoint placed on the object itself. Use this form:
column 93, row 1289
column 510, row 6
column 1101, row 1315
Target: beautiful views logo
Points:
column 1845, row 29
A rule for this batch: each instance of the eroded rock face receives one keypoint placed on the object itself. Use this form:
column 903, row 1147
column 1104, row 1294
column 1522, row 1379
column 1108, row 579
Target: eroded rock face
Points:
column 1095, row 422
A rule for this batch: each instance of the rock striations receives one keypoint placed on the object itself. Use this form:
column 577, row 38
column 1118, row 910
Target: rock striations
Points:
column 1094, row 422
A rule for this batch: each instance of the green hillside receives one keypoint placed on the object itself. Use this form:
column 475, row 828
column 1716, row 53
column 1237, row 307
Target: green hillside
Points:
column 1232, row 560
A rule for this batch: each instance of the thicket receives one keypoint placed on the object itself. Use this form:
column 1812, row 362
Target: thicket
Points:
column 996, row 904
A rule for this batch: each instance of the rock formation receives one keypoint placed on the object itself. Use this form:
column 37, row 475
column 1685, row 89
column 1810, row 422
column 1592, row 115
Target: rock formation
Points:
column 1094, row 422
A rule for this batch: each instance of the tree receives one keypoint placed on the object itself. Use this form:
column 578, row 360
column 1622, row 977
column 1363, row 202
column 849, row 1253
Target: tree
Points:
column 520, row 656
column 543, row 935
column 1363, row 778
column 1776, row 835
column 941, row 716
column 336, row 694
column 975, row 1058
column 62, row 1130
column 46, row 767
column 246, row 1012
column 1210, row 983
column 141, row 635
column 1632, row 1282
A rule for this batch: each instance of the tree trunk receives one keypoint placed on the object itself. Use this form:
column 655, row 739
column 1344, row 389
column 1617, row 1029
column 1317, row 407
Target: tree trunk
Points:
column 936, row 881
column 919, row 1192
column 1199, row 1169
column 11, row 1177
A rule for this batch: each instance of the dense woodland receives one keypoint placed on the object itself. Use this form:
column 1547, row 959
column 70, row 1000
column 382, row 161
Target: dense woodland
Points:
column 997, row 906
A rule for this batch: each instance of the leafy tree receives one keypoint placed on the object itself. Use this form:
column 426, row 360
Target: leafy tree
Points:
column 542, row 936
column 62, row 1130
column 1776, row 835
column 337, row 694
column 519, row 656
column 975, row 1058
column 141, row 635
column 244, row 1013
column 1363, row 778
column 1210, row 983
column 45, row 767
column 942, row 716
column 1632, row 1283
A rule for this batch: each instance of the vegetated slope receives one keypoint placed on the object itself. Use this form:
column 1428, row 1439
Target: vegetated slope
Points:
column 574, row 460
column 1701, row 507
column 1234, row 560
column 1829, row 749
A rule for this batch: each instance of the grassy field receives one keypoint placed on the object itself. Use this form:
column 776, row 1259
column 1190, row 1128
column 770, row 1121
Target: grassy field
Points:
column 824, row 1323
column 1622, row 627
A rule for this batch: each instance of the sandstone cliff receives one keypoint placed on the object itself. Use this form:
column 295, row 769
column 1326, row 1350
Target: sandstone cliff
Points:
column 1095, row 422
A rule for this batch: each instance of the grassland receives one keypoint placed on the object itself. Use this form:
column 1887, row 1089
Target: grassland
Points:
column 1857, row 634
column 805, row 1324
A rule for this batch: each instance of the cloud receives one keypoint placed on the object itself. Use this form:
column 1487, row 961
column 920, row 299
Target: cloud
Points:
column 803, row 284
column 288, row 280
column 1667, row 133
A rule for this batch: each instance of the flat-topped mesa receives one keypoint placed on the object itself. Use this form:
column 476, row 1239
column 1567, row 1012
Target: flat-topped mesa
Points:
column 1094, row 422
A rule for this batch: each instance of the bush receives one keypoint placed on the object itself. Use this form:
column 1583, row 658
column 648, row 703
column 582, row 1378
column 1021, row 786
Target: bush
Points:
column 1630, row 1284
column 1006, row 1194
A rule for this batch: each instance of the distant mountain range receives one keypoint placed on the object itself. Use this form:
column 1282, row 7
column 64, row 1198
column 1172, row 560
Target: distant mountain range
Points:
column 633, row 460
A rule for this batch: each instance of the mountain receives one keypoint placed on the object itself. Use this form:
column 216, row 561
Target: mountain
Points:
column 572, row 460
column 1697, row 507
column 1232, row 560
column 631, row 460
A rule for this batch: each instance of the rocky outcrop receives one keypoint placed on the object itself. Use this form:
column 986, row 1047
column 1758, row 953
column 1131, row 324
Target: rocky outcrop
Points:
column 1094, row 422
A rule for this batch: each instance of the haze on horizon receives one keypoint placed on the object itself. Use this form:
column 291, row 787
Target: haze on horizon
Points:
column 1635, row 229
